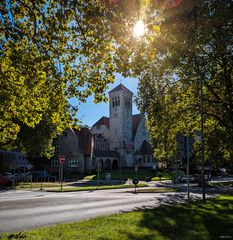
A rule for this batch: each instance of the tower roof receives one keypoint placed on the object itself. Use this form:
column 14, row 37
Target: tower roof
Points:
column 120, row 87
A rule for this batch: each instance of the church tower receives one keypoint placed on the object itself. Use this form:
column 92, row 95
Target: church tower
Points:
column 120, row 110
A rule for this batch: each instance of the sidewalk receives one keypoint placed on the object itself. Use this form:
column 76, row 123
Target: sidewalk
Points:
column 193, row 187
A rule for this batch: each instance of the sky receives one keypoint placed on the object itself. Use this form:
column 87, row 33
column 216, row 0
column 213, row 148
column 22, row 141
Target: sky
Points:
column 89, row 112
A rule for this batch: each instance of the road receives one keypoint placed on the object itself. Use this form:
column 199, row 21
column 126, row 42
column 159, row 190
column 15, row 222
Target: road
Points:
column 22, row 210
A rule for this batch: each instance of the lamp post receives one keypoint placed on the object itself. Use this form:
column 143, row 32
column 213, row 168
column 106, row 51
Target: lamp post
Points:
column 202, row 138
column 188, row 192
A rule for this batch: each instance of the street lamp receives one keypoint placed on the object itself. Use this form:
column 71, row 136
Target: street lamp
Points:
column 202, row 138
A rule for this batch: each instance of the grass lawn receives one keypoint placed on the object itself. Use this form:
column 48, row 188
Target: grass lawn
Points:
column 37, row 185
column 213, row 220
column 89, row 188
column 222, row 184
column 129, row 173
column 162, row 178
column 156, row 190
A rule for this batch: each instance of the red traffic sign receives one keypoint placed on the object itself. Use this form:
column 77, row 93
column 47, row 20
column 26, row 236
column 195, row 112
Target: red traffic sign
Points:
column 62, row 159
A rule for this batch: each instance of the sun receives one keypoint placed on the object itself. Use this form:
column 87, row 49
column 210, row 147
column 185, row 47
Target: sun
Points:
column 139, row 29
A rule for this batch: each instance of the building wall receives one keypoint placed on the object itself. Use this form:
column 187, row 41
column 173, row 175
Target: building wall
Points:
column 144, row 160
column 101, row 143
column 68, row 145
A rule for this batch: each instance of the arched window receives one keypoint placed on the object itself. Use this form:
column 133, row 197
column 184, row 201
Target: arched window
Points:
column 118, row 101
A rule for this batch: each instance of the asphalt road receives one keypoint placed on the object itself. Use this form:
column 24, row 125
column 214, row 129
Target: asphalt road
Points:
column 22, row 210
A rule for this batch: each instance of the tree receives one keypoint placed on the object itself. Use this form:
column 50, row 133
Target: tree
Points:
column 50, row 51
column 195, row 43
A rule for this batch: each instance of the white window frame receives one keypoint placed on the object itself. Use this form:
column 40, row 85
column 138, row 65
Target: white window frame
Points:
column 54, row 162
column 73, row 162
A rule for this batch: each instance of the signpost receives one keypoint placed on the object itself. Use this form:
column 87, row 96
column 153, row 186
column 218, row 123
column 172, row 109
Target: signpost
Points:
column 61, row 160
column 199, row 138
column 135, row 182
column 136, row 170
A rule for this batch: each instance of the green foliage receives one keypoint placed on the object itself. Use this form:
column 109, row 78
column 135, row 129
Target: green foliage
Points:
column 195, row 43
column 50, row 51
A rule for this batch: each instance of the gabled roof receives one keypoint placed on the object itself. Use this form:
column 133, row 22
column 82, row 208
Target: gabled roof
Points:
column 102, row 121
column 120, row 87
column 136, row 119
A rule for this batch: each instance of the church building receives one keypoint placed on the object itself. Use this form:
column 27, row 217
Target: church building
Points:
column 121, row 140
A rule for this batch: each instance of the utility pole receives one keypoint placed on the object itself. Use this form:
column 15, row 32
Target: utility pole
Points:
column 120, row 170
column 98, row 170
column 14, row 173
column 59, row 153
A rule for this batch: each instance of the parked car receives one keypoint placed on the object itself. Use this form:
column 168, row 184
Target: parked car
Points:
column 43, row 176
column 11, row 175
column 192, row 179
column 5, row 181
column 148, row 178
column 24, row 176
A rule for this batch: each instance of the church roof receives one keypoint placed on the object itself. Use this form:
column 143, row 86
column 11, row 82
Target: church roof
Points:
column 145, row 149
column 136, row 119
column 120, row 87
column 102, row 121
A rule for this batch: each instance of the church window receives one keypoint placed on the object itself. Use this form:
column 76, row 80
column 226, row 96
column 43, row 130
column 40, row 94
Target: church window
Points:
column 127, row 102
column 118, row 101
column 148, row 159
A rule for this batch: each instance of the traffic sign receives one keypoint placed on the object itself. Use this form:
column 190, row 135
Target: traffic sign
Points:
column 62, row 159
column 135, row 181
